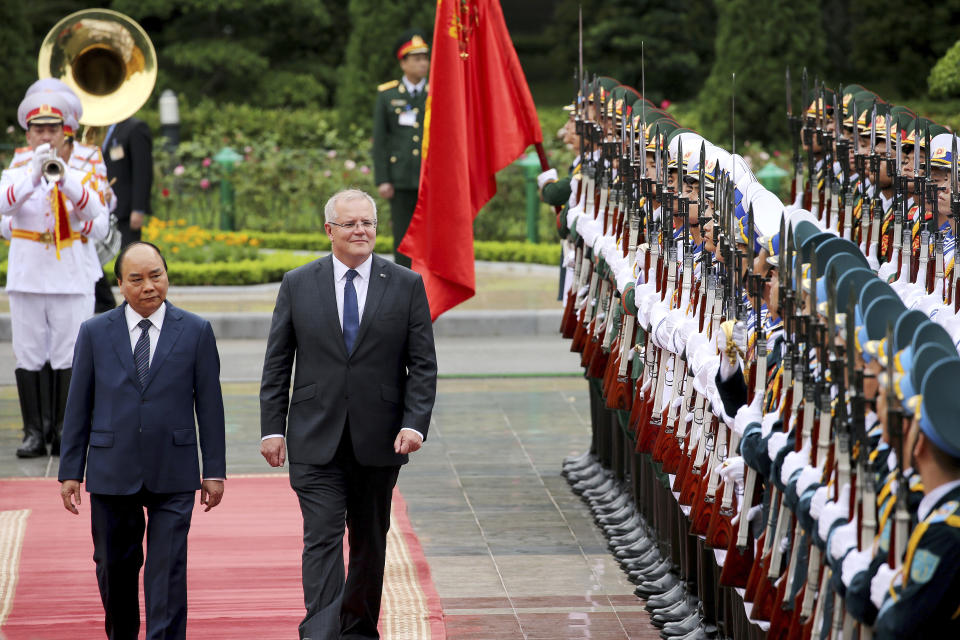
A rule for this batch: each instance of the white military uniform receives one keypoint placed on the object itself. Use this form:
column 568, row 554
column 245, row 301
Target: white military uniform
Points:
column 50, row 296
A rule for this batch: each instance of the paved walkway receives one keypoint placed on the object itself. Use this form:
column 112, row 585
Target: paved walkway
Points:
column 514, row 554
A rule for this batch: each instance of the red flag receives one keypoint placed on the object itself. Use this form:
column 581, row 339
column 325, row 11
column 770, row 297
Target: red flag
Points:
column 479, row 118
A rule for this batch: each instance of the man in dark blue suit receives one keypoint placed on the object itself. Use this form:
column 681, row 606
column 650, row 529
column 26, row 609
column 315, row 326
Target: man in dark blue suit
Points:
column 141, row 372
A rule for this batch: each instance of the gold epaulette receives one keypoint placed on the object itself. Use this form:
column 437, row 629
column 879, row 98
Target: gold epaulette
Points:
column 386, row 86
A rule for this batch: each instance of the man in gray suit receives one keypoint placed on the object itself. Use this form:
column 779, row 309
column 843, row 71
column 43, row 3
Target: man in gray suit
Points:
column 359, row 328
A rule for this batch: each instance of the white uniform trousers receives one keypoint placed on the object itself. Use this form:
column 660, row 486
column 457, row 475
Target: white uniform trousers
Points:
column 45, row 327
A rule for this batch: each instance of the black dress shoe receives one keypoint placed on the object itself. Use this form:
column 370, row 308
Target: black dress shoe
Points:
column 643, row 562
column 618, row 517
column 681, row 628
column 638, row 546
column 606, row 508
column 584, row 473
column 32, row 447
column 657, row 571
column 672, row 595
column 609, row 485
column 591, row 482
column 677, row 613
column 633, row 523
column 649, row 588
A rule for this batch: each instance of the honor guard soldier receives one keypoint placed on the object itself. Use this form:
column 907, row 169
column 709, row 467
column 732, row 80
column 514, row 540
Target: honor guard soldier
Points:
column 924, row 596
column 47, row 281
column 398, row 135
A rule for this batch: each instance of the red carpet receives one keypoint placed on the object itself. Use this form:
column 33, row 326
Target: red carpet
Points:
column 243, row 568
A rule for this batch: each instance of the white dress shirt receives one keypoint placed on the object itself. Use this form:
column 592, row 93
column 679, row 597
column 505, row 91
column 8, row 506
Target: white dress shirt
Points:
column 410, row 86
column 156, row 323
column 361, row 283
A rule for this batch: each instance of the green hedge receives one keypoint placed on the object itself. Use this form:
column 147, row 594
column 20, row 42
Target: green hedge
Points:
column 270, row 267
column 944, row 78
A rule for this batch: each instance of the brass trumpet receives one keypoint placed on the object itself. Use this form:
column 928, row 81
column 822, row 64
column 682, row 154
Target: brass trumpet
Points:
column 106, row 58
column 52, row 166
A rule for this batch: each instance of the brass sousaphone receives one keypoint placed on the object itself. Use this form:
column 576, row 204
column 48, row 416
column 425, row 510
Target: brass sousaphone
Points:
column 106, row 58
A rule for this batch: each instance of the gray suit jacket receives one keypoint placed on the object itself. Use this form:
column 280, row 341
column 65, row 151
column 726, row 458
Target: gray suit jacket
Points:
column 389, row 381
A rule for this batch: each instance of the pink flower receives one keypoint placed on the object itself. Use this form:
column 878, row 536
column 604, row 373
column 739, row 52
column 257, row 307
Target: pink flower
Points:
column 776, row 153
column 349, row 165
column 327, row 173
column 206, row 162
column 165, row 193
column 178, row 170
column 332, row 154
column 364, row 169
column 204, row 184
column 247, row 149
column 665, row 104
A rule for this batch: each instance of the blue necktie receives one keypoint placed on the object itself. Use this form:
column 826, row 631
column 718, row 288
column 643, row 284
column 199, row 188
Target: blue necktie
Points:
column 141, row 352
column 351, row 311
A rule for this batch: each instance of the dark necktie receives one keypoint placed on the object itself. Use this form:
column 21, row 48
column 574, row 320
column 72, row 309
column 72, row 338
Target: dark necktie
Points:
column 413, row 93
column 141, row 352
column 351, row 311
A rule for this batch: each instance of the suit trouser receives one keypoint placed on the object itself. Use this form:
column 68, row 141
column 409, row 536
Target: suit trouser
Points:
column 341, row 491
column 401, row 211
column 118, row 527
column 128, row 235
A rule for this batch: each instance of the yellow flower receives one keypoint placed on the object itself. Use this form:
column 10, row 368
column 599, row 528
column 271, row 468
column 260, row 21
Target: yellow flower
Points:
column 175, row 249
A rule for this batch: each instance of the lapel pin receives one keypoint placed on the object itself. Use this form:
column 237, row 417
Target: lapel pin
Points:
column 383, row 275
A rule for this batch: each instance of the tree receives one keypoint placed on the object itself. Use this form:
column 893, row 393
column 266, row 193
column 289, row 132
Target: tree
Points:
column 271, row 53
column 20, row 70
column 757, row 45
column 677, row 39
column 897, row 45
column 370, row 60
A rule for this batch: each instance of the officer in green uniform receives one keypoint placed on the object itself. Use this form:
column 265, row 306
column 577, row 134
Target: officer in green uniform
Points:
column 398, row 133
column 924, row 598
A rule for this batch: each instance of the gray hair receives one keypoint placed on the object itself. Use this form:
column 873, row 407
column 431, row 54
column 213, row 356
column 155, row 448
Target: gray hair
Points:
column 345, row 195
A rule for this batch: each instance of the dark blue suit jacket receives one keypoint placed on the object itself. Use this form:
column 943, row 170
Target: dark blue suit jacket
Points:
column 127, row 436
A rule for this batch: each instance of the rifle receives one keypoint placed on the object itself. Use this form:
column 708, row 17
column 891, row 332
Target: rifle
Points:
column 954, row 289
column 808, row 142
column 793, row 124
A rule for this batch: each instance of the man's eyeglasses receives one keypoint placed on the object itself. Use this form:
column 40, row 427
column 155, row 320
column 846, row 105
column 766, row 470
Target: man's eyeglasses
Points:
column 350, row 226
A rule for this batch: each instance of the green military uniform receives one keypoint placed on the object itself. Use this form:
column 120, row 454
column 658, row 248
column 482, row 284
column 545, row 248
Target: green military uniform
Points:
column 397, row 141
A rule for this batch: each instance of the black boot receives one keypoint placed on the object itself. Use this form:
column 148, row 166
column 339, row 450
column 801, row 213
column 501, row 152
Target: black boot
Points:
column 28, row 388
column 61, row 386
column 47, row 402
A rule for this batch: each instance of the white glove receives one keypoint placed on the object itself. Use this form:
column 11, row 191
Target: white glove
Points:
column 872, row 261
column 795, row 460
column 834, row 511
column 550, row 175
column 818, row 502
column 72, row 188
column 36, row 162
column 881, row 583
column 776, row 442
column 854, row 563
column 731, row 470
column 766, row 425
column 887, row 270
column 843, row 539
column 748, row 414
column 808, row 476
